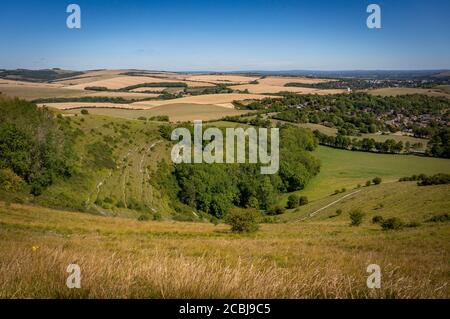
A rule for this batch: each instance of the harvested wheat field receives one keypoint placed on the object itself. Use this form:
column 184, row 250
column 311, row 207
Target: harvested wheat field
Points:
column 283, row 80
column 32, row 90
column 90, row 76
column 125, row 95
column 146, row 89
column 77, row 105
column 124, row 81
column 206, row 99
column 175, row 112
column 223, row 79
column 266, row 88
column 276, row 84
column 224, row 101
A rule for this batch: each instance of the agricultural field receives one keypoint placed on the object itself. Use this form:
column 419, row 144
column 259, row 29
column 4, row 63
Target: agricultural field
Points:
column 177, row 112
column 442, row 90
column 346, row 169
column 277, row 84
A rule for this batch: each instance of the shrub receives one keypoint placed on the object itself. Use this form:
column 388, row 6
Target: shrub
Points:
column 157, row 216
column 439, row 218
column 276, row 210
column 9, row 181
column 368, row 183
column 143, row 218
column 377, row 219
column 243, row 220
column 377, row 180
column 293, row 201
column 303, row 200
column 356, row 217
column 412, row 224
column 392, row 224
column 84, row 112
column 338, row 213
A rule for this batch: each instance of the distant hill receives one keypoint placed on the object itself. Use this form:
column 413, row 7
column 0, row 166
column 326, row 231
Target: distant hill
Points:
column 445, row 74
column 44, row 75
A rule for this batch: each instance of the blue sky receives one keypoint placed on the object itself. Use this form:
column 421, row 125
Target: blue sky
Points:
column 224, row 35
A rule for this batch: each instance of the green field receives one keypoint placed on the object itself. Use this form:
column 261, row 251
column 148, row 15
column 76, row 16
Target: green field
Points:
column 437, row 91
column 347, row 169
column 405, row 200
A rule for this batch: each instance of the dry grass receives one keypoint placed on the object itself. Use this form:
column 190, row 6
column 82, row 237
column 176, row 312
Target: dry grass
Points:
column 219, row 78
column 91, row 76
column 283, row 80
column 77, row 105
column 176, row 112
column 275, row 84
column 125, row 95
column 120, row 82
column 122, row 258
column 205, row 99
column 158, row 89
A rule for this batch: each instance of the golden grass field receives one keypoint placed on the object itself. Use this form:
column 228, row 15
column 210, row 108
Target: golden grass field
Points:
column 276, row 84
column 124, row 258
column 177, row 112
column 219, row 78
column 206, row 99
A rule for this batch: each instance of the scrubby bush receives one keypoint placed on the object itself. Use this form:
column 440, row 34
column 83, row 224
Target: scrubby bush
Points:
column 157, row 216
column 276, row 210
column 84, row 112
column 293, row 201
column 368, row 183
column 356, row 217
column 393, row 223
column 377, row 219
column 337, row 213
column 243, row 220
column 439, row 218
column 9, row 181
column 303, row 200
column 377, row 180
column 413, row 224
column 143, row 218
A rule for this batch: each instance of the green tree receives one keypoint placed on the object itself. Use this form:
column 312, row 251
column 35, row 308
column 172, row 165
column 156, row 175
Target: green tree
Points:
column 243, row 220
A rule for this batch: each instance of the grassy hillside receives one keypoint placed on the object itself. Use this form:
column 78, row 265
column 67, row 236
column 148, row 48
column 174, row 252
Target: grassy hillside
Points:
column 113, row 171
column 347, row 169
column 123, row 258
column 404, row 200
column 440, row 90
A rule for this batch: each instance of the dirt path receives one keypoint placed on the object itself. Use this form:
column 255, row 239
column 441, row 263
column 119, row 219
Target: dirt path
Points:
column 330, row 204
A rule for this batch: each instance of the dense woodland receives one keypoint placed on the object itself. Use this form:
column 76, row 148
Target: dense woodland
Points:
column 215, row 189
column 34, row 148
